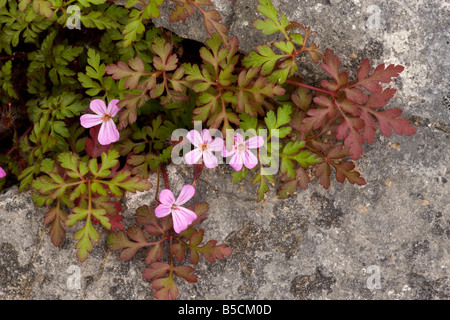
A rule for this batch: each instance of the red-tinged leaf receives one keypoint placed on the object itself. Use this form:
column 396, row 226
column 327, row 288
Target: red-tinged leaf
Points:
column 196, row 238
column 112, row 207
column 288, row 189
column 122, row 70
column 376, row 100
column 302, row 178
column 330, row 85
column 323, row 101
column 323, row 172
column 186, row 273
column 331, row 65
column 388, row 93
column 194, row 257
column 252, row 93
column 389, row 119
column 317, row 117
column 166, row 223
column 338, row 152
column 296, row 122
column 93, row 148
column 211, row 251
column 380, row 74
column 363, row 70
column 350, row 107
column 345, row 171
column 118, row 241
column 179, row 251
column 156, row 270
column 349, row 130
column 57, row 217
column 135, row 233
column 182, row 11
column 200, row 209
column 130, row 103
column 301, row 98
column 154, row 254
column 43, row 7
column 314, row 53
column 356, row 95
column 166, row 289
column 145, row 215
column 211, row 21
column 157, row 91
column 153, row 228
column 370, row 126
column 115, row 222
column 320, row 145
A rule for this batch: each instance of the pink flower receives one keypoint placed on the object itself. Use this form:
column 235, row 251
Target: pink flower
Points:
column 2, row 172
column 204, row 146
column 181, row 216
column 241, row 153
column 108, row 132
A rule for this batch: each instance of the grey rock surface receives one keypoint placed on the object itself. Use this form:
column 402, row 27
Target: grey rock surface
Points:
column 318, row 244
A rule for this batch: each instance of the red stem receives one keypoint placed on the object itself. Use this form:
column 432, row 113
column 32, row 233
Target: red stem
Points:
column 299, row 84
column 20, row 139
column 166, row 179
column 16, row 55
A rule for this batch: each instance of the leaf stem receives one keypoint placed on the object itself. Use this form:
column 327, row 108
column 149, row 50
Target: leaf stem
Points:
column 299, row 84
column 13, row 148
column 157, row 183
column 166, row 179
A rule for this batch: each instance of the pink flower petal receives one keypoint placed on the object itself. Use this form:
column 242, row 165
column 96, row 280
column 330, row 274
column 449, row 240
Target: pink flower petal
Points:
column 113, row 109
column 194, row 137
column 226, row 153
column 254, row 142
column 98, row 106
column 166, row 197
column 163, row 210
column 250, row 159
column 113, row 133
column 108, row 133
column 216, row 144
column 238, row 138
column 209, row 159
column 236, row 161
column 192, row 157
column 2, row 172
column 90, row 120
column 206, row 136
column 182, row 218
column 186, row 194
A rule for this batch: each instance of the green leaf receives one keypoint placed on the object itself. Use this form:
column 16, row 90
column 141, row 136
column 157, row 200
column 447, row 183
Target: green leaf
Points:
column 283, row 117
column 264, row 57
column 85, row 237
column 271, row 25
column 109, row 160
column 133, row 28
column 123, row 180
column 237, row 176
